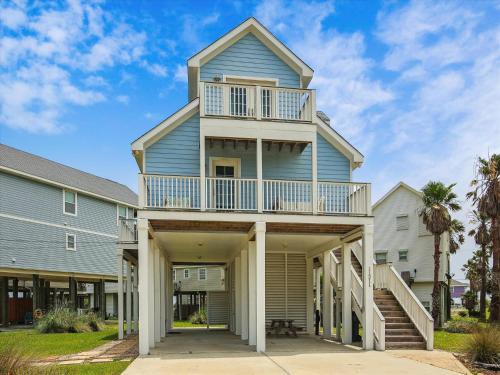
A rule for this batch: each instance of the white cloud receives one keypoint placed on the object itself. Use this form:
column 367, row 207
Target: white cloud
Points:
column 181, row 73
column 124, row 99
column 192, row 28
column 50, row 56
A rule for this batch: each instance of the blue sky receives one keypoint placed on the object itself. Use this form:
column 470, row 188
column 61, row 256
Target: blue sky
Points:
column 414, row 85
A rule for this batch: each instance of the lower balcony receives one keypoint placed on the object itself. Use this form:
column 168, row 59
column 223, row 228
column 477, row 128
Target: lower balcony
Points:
column 252, row 195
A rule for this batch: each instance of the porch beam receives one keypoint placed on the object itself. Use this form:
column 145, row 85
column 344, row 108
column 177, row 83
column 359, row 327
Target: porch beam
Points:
column 237, row 287
column 135, row 299
column 162, row 296
column 327, row 296
column 119, row 270
column 157, row 304
column 244, row 294
column 310, row 296
column 129, row 297
column 252, row 294
column 260, row 260
column 143, row 246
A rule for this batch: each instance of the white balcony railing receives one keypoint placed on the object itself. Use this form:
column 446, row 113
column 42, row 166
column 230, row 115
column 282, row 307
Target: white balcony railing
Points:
column 231, row 194
column 127, row 231
column 256, row 102
column 242, row 194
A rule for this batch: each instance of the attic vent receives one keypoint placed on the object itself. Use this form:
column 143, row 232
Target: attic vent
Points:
column 402, row 222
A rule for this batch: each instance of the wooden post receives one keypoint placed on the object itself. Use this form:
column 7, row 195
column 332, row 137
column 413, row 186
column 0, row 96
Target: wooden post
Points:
column 72, row 293
column 346, row 295
column 144, row 253
column 119, row 270
column 35, row 294
column 4, row 299
column 327, row 296
column 260, row 272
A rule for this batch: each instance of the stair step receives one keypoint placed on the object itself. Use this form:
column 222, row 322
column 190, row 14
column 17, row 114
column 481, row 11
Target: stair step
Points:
column 397, row 326
column 401, row 332
column 403, row 338
column 383, row 308
column 405, row 345
column 397, row 319
column 394, row 314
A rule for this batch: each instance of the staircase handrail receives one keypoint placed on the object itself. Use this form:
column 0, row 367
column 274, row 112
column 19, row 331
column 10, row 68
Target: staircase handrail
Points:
column 378, row 328
column 386, row 277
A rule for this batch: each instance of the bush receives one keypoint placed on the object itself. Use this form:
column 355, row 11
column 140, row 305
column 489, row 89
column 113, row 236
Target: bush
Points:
column 199, row 317
column 469, row 300
column 484, row 346
column 62, row 320
column 464, row 325
column 14, row 362
column 462, row 313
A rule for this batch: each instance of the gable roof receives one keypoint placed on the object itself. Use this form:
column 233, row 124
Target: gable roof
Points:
column 400, row 184
column 35, row 167
column 250, row 25
column 339, row 142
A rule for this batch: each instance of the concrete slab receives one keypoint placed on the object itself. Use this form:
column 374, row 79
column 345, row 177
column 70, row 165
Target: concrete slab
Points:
column 224, row 353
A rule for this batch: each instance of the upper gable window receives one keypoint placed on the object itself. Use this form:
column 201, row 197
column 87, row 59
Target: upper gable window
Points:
column 70, row 202
column 402, row 222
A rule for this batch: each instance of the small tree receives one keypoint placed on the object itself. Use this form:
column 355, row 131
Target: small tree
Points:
column 438, row 200
column 469, row 300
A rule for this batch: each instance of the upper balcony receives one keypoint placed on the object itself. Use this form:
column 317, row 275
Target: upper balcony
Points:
column 228, row 100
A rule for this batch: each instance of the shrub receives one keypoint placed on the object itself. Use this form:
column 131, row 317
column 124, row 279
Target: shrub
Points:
column 63, row 319
column 462, row 313
column 14, row 362
column 464, row 325
column 484, row 346
column 199, row 317
column 469, row 300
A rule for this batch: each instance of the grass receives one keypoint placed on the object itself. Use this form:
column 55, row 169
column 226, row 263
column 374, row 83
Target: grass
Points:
column 41, row 345
column 450, row 342
column 188, row 324
column 106, row 368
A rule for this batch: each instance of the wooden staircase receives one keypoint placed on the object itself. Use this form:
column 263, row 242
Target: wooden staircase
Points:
column 354, row 261
column 400, row 332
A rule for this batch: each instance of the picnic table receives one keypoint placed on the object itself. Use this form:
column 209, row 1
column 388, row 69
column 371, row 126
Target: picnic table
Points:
column 282, row 325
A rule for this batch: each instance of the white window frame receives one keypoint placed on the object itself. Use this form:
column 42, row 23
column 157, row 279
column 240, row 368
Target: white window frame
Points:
column 399, row 255
column 400, row 216
column 382, row 252
column 186, row 272
column 118, row 213
column 64, row 202
column 216, row 161
column 74, row 241
column 250, row 81
column 199, row 274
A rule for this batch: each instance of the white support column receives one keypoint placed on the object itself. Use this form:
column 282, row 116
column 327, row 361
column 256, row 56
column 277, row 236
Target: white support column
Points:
column 203, row 203
column 119, row 266
column 318, row 288
column 135, row 300
column 143, row 250
column 162, row 296
column 338, row 316
column 314, row 162
column 346, row 295
column 367, row 287
column 151, row 293
column 260, row 262
column 310, row 296
column 327, row 296
column 237, row 287
column 252, row 294
column 170, row 294
column 129, row 297
column 157, row 304
column 244, row 294
column 260, row 183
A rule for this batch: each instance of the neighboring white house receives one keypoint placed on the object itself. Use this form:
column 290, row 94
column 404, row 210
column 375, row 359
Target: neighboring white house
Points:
column 206, row 278
column 402, row 240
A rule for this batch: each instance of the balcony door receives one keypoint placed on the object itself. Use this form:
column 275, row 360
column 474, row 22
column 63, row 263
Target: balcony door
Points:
column 224, row 172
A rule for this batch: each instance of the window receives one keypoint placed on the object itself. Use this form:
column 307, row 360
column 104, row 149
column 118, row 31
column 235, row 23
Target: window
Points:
column 402, row 222
column 122, row 213
column 427, row 305
column 174, row 274
column 69, row 202
column 70, row 241
column 403, row 255
column 186, row 274
column 381, row 257
column 202, row 274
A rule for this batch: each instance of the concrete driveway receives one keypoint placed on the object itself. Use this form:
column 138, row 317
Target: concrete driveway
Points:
column 202, row 352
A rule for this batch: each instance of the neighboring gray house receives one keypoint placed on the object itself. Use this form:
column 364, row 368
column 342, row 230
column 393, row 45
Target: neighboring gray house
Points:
column 400, row 238
column 207, row 278
column 59, row 227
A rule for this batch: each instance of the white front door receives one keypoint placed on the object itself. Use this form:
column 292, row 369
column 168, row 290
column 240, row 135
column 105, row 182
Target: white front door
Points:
column 225, row 170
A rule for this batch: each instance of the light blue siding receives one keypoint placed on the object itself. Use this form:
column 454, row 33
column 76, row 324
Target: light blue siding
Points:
column 178, row 152
column 250, row 57
column 248, row 158
column 332, row 165
column 286, row 165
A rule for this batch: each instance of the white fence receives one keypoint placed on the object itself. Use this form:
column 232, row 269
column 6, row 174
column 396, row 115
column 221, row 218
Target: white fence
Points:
column 260, row 102
column 386, row 277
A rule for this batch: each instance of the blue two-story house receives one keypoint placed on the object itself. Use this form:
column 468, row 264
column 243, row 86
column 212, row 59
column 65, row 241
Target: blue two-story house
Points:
column 58, row 232
column 249, row 174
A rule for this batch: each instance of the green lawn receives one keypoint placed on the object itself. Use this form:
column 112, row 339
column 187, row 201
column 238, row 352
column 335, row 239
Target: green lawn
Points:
column 188, row 324
column 451, row 342
column 40, row 345
column 108, row 368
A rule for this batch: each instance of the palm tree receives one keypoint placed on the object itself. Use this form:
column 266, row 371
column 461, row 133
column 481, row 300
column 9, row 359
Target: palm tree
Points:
column 481, row 234
column 486, row 195
column 439, row 200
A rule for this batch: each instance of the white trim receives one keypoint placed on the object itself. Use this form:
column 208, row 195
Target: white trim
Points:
column 64, row 202
column 68, row 227
column 399, row 255
column 248, row 80
column 64, row 186
column 215, row 161
column 74, row 241
column 396, row 187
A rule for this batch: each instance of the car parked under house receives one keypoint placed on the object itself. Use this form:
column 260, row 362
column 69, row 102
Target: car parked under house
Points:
column 249, row 174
